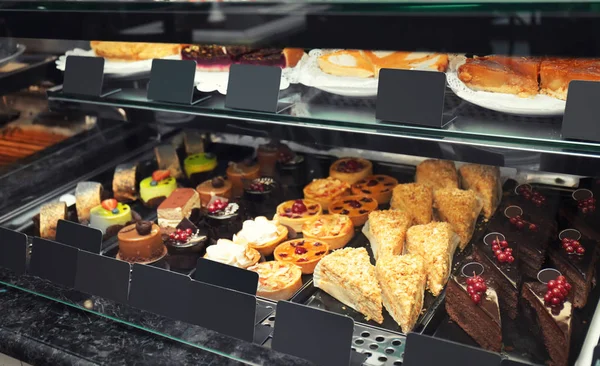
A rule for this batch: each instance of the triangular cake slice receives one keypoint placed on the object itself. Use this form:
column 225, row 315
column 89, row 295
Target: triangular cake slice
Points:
column 460, row 209
column 386, row 231
column 415, row 199
column 402, row 279
column 348, row 275
column 435, row 243
column 485, row 181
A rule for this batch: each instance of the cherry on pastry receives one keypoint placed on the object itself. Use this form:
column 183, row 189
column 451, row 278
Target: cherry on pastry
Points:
column 299, row 207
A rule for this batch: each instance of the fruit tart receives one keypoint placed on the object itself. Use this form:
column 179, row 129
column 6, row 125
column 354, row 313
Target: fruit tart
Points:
column 277, row 280
column 351, row 170
column 335, row 230
column 261, row 234
column 155, row 189
column 295, row 213
column 326, row 190
column 378, row 186
column 356, row 207
column 305, row 253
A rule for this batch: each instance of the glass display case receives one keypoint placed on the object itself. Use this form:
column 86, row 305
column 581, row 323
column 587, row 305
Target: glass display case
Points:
column 382, row 178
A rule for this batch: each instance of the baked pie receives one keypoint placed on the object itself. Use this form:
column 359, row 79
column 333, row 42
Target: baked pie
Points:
column 295, row 213
column 556, row 74
column 386, row 231
column 351, row 170
column 416, row 200
column 435, row 243
column 502, row 74
column 406, row 60
column 485, row 181
column 460, row 209
column 133, row 51
column 402, row 279
column 437, row 174
column 346, row 63
column 335, row 230
column 305, row 253
column 325, row 191
column 356, row 207
column 277, row 280
column 261, row 234
column 377, row 186
column 348, row 275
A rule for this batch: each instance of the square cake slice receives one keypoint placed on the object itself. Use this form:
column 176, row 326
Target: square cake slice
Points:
column 437, row 174
column 415, row 199
column 177, row 206
column 348, row 275
column 386, row 231
column 435, row 243
column 485, row 181
column 556, row 74
column 402, row 279
column 460, row 209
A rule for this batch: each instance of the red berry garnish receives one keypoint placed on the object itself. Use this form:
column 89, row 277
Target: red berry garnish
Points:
column 580, row 250
column 555, row 301
column 495, row 247
column 501, row 257
column 533, row 227
column 548, row 297
column 471, row 281
column 109, row 204
column 504, row 244
column 159, row 175
column 476, row 298
column 510, row 259
column 570, row 249
column 189, row 231
column 172, row 236
column 567, row 286
column 300, row 250
column 551, row 284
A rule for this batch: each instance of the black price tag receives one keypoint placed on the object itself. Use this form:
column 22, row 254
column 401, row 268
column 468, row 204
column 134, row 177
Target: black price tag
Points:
column 13, row 250
column 507, row 362
column 54, row 261
column 85, row 76
column 173, row 81
column 418, row 352
column 102, row 276
column 223, row 275
column 79, row 236
column 223, row 310
column 253, row 88
column 412, row 96
column 580, row 121
column 326, row 337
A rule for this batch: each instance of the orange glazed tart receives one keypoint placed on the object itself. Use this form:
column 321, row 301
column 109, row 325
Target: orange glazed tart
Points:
column 305, row 253
column 357, row 208
column 295, row 213
column 378, row 186
column 351, row 170
column 326, row 190
column 277, row 280
column 335, row 230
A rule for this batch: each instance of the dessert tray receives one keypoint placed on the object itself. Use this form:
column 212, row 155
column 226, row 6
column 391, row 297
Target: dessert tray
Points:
column 538, row 106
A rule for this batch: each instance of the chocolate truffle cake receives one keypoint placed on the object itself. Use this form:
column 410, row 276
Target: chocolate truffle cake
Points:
column 579, row 208
column 539, row 202
column 472, row 303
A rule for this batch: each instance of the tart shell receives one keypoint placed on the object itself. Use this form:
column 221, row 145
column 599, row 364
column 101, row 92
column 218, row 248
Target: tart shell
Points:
column 268, row 248
column 354, row 177
column 296, row 224
column 334, row 241
column 307, row 267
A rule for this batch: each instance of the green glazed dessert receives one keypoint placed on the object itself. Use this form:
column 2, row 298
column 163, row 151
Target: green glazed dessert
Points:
column 199, row 163
column 109, row 213
column 155, row 189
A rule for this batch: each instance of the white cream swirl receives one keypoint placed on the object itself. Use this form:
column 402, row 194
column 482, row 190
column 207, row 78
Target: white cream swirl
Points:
column 228, row 252
column 257, row 232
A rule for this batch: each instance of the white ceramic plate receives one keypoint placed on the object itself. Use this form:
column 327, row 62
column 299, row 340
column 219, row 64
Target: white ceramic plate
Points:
column 538, row 106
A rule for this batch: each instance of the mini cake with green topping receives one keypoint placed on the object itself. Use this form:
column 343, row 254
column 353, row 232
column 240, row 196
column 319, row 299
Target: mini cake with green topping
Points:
column 110, row 213
column 155, row 189
column 199, row 166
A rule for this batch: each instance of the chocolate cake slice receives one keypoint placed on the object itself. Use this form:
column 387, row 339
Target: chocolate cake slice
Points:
column 504, row 270
column 481, row 320
column 578, row 208
column 553, row 324
column 577, row 265
column 539, row 202
column 207, row 57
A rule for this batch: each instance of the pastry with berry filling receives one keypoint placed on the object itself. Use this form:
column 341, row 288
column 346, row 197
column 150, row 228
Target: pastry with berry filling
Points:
column 305, row 253
column 326, row 191
column 87, row 195
column 213, row 187
column 110, row 216
column 549, row 311
column 277, row 280
column 199, row 167
column 402, row 279
column 141, row 243
column 178, row 206
column 377, row 186
column 124, row 182
column 435, row 243
column 472, row 303
column 167, row 159
column 437, row 174
column 261, row 234
column 459, row 208
column 239, row 173
column 295, row 213
column 485, row 181
column 155, row 189
column 386, row 231
column 416, row 200
column 357, row 208
column 351, row 170
column 335, row 230
column 348, row 275
column 185, row 245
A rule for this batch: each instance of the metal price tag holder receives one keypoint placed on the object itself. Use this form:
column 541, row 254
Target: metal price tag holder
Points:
column 172, row 81
column 223, row 275
column 54, row 262
column 79, row 236
column 413, row 97
column 418, row 352
column 325, row 337
column 254, row 88
column 85, row 76
column 580, row 121
column 13, row 250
